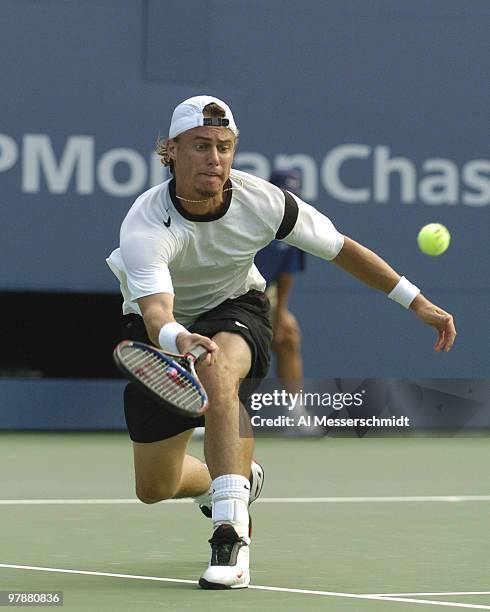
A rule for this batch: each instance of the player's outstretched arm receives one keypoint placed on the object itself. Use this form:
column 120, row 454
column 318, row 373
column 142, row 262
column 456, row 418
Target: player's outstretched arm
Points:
column 370, row 269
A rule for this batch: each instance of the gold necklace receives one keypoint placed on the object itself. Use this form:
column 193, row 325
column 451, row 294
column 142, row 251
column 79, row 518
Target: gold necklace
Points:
column 207, row 199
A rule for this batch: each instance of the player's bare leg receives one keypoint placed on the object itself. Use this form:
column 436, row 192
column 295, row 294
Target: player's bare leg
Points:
column 228, row 455
column 163, row 470
column 226, row 449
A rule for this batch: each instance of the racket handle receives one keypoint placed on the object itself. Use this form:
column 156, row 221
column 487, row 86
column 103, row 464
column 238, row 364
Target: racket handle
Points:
column 197, row 351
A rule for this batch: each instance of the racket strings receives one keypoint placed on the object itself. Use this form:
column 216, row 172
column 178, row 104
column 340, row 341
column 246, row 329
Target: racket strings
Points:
column 162, row 378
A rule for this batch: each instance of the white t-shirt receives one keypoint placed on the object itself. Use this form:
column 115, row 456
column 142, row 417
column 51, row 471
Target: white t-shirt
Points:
column 205, row 260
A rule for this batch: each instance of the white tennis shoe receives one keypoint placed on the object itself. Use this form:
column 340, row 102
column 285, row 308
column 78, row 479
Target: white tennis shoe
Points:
column 229, row 564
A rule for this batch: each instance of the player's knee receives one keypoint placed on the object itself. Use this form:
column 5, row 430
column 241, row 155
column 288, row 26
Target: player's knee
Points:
column 151, row 494
column 220, row 382
column 146, row 499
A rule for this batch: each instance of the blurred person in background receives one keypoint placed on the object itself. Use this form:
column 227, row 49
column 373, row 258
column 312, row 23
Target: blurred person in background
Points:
column 278, row 263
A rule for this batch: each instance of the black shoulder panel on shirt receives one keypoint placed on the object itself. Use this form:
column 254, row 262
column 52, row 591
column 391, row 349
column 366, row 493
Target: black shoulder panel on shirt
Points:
column 290, row 216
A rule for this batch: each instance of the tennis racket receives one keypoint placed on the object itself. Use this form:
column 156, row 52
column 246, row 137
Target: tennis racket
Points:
column 170, row 380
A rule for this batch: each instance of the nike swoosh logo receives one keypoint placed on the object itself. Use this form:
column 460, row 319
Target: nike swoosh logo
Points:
column 239, row 575
column 167, row 222
column 240, row 324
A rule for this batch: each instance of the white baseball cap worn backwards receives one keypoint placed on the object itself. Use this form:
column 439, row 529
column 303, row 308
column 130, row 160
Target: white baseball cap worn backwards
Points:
column 188, row 115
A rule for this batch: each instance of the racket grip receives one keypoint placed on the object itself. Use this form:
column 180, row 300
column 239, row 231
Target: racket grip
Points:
column 197, row 351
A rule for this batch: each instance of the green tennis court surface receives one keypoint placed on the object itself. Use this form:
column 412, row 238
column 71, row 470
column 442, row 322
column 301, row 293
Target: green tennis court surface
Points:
column 405, row 521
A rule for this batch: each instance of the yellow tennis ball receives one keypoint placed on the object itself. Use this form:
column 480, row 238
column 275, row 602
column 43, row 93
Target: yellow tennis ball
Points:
column 433, row 239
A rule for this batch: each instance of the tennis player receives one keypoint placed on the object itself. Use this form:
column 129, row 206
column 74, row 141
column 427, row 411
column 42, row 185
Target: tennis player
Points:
column 185, row 266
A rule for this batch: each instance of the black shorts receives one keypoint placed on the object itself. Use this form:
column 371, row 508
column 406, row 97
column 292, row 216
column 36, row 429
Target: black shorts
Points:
column 146, row 421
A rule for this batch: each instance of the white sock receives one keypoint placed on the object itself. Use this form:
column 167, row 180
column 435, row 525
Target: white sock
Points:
column 231, row 494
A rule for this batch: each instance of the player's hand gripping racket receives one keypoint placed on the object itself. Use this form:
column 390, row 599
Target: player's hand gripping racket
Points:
column 169, row 379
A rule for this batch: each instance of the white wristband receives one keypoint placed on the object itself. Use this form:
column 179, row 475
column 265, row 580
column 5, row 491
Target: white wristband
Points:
column 168, row 335
column 404, row 292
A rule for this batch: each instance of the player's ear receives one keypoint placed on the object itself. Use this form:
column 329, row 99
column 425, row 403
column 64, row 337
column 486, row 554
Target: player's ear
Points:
column 170, row 144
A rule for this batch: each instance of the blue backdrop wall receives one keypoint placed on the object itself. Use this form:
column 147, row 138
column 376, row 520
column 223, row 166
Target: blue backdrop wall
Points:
column 382, row 104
